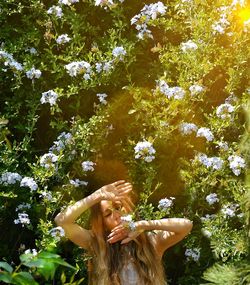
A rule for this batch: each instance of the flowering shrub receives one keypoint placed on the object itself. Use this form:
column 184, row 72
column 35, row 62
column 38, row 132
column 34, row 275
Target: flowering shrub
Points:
column 155, row 93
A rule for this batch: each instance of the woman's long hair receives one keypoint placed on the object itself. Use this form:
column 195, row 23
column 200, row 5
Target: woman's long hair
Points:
column 107, row 258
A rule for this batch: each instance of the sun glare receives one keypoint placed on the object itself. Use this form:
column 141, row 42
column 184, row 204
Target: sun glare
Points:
column 245, row 14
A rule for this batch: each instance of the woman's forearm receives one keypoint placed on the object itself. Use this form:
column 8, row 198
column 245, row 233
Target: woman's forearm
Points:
column 71, row 213
column 176, row 225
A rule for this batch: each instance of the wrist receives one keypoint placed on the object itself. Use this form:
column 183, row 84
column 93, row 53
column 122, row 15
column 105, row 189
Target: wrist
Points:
column 100, row 195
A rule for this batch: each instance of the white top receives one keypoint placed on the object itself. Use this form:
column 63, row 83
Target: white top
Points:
column 129, row 274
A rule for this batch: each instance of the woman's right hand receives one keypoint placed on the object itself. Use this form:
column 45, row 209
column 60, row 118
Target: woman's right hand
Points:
column 116, row 191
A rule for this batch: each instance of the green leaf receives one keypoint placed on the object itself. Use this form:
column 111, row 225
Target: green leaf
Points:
column 6, row 266
column 24, row 278
column 5, row 277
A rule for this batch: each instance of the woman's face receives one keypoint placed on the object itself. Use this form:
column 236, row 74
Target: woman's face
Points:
column 111, row 213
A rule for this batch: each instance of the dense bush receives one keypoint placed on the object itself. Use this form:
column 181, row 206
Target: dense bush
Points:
column 153, row 92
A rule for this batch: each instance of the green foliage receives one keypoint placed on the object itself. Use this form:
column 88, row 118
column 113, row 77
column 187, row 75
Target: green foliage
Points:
column 141, row 106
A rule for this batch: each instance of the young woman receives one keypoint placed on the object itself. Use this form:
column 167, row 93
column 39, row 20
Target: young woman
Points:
column 124, row 252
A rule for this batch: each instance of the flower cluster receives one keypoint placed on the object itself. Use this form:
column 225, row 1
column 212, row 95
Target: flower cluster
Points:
column 171, row 92
column 46, row 195
column 49, row 97
column 61, row 142
column 23, row 219
column 10, row 61
column 88, row 165
column 101, row 97
column 77, row 182
column 236, row 163
column 57, row 233
column 48, row 160
column 67, row 2
column 10, row 178
column 214, row 162
column 63, row 39
column 189, row 45
column 212, row 198
column 208, row 217
column 31, row 251
column 195, row 89
column 224, row 111
column 119, row 52
column 33, row 73
column 187, row 128
column 193, row 254
column 165, row 203
column 29, row 182
column 127, row 220
column 105, row 66
column 56, row 11
column 145, row 151
column 23, row 206
column 206, row 133
column 221, row 25
column 79, row 67
column 106, row 3
column 147, row 13
column 229, row 210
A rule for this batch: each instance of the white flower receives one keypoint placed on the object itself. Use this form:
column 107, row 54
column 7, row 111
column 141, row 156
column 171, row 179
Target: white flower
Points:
column 229, row 210
column 78, row 67
column 10, row 61
column 32, row 50
column 206, row 133
column 119, row 52
column 63, row 39
column 193, row 254
column 56, row 11
column 212, row 198
column 67, row 2
column 104, row 3
column 33, row 73
column 236, row 164
column 62, row 141
column 208, row 217
column 223, row 145
column 88, row 165
column 78, row 182
column 224, row 111
column 127, row 218
column 49, row 97
column 29, row 182
column 175, row 92
column 188, row 128
column 48, row 160
column 165, row 203
column 57, row 233
column 101, row 97
column 23, row 206
column 23, row 219
column 147, row 13
column 214, row 162
column 189, row 45
column 217, row 27
column 46, row 195
column 98, row 67
column 10, row 178
column 145, row 151
column 31, row 251
column 195, row 89
column 107, row 65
